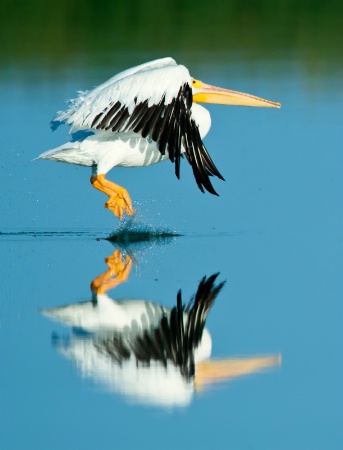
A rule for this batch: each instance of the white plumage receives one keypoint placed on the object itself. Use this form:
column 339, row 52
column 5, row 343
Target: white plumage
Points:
column 142, row 116
column 150, row 81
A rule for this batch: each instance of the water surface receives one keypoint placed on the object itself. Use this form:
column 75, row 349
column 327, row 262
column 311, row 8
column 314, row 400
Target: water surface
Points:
column 274, row 234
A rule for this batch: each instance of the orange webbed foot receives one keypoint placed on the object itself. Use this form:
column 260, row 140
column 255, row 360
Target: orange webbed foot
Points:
column 119, row 201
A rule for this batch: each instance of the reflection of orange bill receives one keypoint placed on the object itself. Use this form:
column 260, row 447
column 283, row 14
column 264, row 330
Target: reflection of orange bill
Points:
column 220, row 370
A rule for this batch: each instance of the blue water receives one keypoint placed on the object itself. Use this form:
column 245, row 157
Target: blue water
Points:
column 274, row 235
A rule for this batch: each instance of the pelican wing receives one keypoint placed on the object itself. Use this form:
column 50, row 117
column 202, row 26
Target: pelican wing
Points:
column 88, row 104
column 155, row 101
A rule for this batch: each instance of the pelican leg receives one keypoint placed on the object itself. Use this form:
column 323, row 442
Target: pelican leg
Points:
column 119, row 201
column 118, row 271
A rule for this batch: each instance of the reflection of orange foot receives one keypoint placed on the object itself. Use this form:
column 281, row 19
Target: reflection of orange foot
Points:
column 119, row 201
column 119, row 265
column 119, row 270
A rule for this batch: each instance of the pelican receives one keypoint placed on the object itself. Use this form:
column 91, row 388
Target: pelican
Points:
column 146, row 351
column 142, row 116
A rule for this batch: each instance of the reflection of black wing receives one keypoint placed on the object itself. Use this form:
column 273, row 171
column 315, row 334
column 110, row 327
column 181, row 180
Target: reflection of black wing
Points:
column 175, row 339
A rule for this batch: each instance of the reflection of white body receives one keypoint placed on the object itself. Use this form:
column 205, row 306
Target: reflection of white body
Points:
column 153, row 384
column 148, row 352
column 130, row 318
column 107, row 314
column 127, row 320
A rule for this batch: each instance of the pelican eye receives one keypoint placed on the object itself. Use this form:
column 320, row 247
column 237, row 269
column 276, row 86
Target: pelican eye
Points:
column 196, row 83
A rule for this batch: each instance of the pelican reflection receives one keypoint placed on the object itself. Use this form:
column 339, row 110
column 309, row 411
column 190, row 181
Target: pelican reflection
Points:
column 150, row 353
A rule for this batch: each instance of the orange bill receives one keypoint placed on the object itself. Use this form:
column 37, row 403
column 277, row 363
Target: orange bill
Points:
column 205, row 93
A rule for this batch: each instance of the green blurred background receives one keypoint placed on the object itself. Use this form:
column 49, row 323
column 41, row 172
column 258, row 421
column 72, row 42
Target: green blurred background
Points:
column 42, row 34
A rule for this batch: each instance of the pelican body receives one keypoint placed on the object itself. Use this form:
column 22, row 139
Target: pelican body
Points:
column 142, row 116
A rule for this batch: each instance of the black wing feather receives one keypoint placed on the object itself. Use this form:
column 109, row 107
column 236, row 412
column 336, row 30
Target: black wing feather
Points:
column 171, row 126
column 144, row 118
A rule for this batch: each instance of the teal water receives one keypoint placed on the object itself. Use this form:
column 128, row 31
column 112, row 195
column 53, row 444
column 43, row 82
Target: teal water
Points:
column 274, row 234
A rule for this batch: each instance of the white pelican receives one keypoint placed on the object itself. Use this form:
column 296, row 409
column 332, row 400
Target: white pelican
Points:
column 143, row 350
column 142, row 116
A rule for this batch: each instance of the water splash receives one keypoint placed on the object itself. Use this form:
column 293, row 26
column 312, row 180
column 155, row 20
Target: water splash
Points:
column 137, row 229
column 136, row 236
